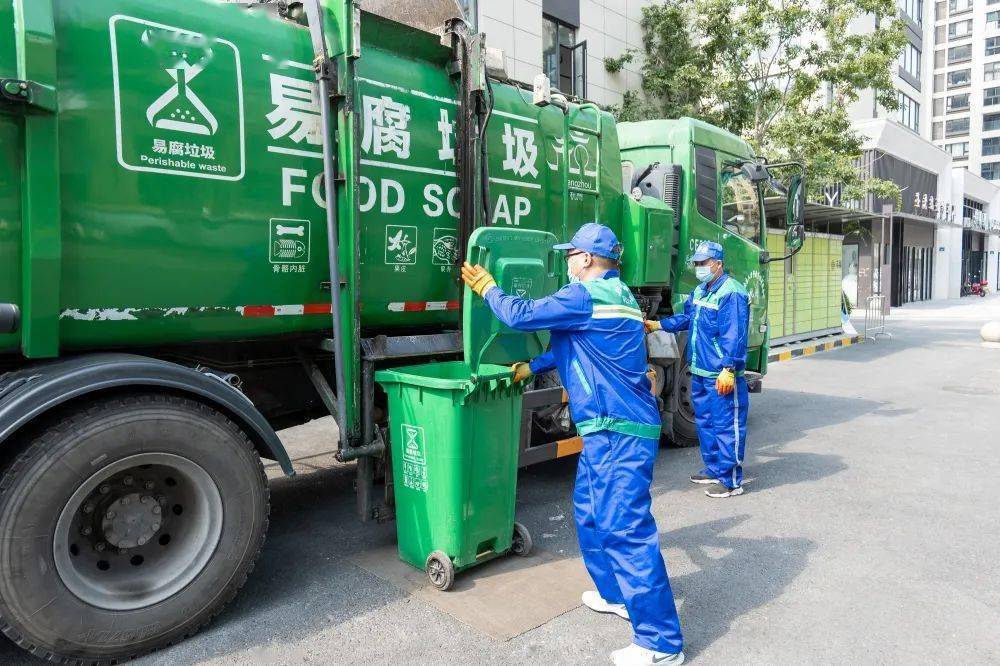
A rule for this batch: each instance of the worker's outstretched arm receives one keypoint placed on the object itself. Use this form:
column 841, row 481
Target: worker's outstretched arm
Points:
column 542, row 363
column 568, row 309
column 734, row 322
column 679, row 322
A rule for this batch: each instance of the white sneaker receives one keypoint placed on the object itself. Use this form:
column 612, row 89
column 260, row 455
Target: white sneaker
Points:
column 635, row 655
column 595, row 602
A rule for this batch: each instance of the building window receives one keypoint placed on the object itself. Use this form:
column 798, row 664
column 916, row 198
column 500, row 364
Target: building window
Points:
column 960, row 29
column 991, row 96
column 992, row 20
column 959, row 53
column 956, row 127
column 909, row 61
column 972, row 209
column 958, row 150
column 990, row 171
column 959, row 78
column 991, row 71
column 913, row 9
column 991, row 146
column 959, row 6
column 564, row 60
column 908, row 113
column 992, row 45
column 991, row 121
column 958, row 103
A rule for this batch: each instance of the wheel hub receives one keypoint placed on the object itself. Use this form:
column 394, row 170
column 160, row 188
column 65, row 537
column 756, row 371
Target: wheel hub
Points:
column 137, row 531
column 132, row 520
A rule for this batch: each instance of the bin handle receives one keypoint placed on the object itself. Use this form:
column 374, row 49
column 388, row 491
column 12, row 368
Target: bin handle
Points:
column 497, row 375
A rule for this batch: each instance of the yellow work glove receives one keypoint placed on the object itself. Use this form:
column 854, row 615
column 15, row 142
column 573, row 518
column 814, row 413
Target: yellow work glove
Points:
column 652, row 325
column 725, row 382
column 521, row 371
column 477, row 278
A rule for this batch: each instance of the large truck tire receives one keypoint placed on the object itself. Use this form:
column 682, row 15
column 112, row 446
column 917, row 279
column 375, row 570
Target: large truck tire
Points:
column 684, row 430
column 125, row 526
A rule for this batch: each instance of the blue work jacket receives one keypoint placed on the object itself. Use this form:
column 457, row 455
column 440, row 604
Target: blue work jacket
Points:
column 598, row 345
column 718, row 317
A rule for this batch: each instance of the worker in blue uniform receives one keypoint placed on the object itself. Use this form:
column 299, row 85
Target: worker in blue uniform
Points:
column 598, row 346
column 717, row 317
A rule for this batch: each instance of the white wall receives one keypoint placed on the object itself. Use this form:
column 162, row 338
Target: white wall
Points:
column 610, row 27
column 515, row 27
column 947, row 262
column 992, row 252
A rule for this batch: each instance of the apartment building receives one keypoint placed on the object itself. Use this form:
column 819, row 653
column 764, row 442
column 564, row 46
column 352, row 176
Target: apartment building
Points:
column 939, row 147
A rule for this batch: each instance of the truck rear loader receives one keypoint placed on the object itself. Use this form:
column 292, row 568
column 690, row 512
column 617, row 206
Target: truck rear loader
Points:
column 217, row 220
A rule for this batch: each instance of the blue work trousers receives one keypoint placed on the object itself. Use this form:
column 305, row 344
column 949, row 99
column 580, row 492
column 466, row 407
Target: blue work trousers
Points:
column 618, row 536
column 722, row 428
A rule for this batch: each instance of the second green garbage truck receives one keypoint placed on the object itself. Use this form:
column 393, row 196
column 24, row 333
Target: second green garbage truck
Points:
column 218, row 220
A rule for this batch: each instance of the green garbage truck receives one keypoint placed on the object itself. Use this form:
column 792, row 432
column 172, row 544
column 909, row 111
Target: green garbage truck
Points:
column 219, row 219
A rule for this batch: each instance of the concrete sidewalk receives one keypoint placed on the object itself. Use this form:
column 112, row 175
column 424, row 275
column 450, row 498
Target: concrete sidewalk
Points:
column 868, row 533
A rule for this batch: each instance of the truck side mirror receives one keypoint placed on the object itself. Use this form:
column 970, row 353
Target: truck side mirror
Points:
column 795, row 209
column 795, row 237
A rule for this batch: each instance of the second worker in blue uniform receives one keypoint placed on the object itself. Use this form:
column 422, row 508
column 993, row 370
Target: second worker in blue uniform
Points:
column 717, row 317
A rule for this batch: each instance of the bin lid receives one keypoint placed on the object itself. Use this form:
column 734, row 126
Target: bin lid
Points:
column 524, row 264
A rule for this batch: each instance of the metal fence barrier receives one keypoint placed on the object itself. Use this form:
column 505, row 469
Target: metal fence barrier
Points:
column 875, row 318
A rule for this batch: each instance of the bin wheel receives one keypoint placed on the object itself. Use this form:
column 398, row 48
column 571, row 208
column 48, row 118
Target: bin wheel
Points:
column 521, row 543
column 440, row 570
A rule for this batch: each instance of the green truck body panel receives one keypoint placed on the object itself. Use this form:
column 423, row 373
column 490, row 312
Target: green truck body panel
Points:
column 164, row 247
column 171, row 191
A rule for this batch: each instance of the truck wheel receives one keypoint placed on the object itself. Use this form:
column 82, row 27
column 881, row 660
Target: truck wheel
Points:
column 126, row 526
column 685, row 432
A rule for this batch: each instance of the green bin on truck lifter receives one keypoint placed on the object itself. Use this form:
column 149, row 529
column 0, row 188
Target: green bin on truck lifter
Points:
column 454, row 426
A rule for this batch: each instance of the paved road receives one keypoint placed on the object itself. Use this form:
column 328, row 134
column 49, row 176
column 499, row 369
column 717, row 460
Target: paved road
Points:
column 869, row 532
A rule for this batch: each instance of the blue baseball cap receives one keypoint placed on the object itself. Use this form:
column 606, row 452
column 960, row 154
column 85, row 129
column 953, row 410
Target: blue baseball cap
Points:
column 596, row 239
column 706, row 250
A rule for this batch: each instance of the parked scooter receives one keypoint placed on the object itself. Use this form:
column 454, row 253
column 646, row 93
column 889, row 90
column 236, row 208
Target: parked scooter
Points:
column 979, row 288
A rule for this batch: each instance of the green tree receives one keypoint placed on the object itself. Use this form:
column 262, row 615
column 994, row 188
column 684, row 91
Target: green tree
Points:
column 780, row 73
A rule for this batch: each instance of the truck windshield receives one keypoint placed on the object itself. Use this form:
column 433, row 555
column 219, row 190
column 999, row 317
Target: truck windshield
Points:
column 741, row 205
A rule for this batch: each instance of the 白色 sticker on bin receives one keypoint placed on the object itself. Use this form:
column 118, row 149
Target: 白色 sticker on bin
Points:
column 414, row 457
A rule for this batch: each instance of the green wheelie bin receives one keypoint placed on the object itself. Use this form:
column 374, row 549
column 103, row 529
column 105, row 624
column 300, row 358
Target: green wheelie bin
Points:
column 454, row 440
column 454, row 426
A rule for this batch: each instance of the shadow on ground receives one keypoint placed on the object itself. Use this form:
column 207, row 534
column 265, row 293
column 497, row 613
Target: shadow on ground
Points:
column 751, row 573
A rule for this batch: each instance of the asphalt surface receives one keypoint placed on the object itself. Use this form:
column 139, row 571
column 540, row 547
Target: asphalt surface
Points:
column 869, row 532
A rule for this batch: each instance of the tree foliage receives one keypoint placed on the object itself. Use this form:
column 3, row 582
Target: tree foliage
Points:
column 780, row 73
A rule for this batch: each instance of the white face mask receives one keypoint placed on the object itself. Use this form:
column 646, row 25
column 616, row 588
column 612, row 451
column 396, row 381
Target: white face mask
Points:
column 703, row 273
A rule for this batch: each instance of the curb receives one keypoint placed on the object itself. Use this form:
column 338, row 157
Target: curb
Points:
column 809, row 350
